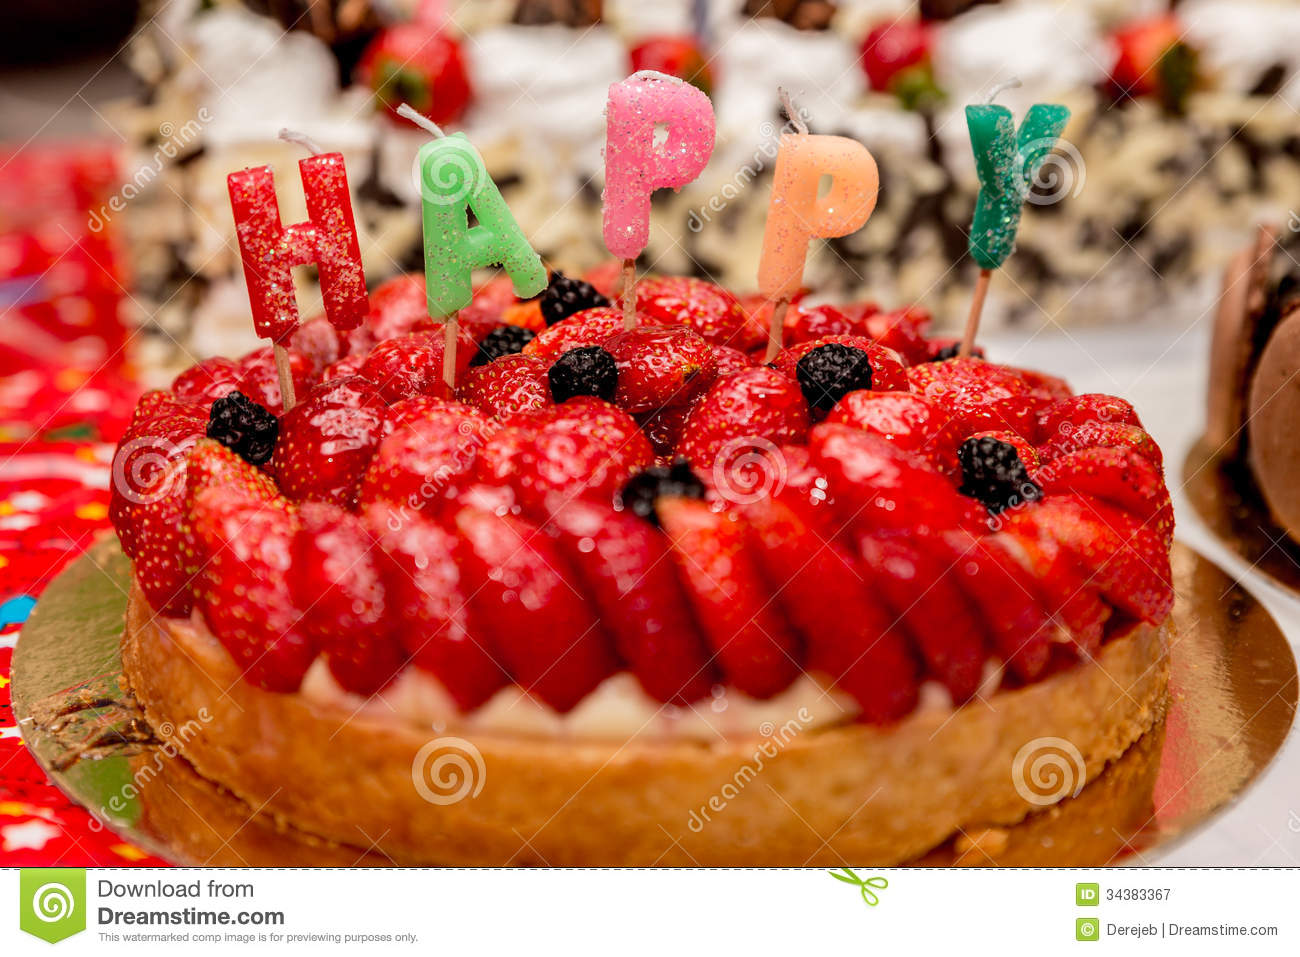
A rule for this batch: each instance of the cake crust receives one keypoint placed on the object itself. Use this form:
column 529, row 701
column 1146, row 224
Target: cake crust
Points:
column 817, row 797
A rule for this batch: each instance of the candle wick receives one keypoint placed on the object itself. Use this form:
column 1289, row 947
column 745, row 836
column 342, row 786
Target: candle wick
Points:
column 1008, row 84
column 302, row 139
column 793, row 114
column 420, row 120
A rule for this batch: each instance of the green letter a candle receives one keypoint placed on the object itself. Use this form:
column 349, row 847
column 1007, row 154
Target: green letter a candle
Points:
column 453, row 181
column 1006, row 160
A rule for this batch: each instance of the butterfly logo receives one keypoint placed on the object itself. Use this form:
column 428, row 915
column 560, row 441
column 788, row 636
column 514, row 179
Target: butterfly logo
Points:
column 867, row 886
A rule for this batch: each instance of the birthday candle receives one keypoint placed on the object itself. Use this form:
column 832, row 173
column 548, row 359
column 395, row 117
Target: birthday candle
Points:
column 634, row 166
column 454, row 181
column 270, row 249
column 797, row 214
column 1006, row 161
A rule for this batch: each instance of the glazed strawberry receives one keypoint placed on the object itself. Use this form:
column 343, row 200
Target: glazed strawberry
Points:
column 1071, row 600
column 986, row 397
column 849, row 635
column 412, row 365
column 427, row 594
column 660, row 366
column 1041, row 384
column 1121, row 477
column 710, row 310
column 498, row 460
column 527, row 600
column 348, row 365
column 902, row 330
column 1123, row 557
column 731, row 360
column 318, row 341
column 751, row 642
column 159, row 402
column 426, row 406
column 1104, row 435
column 508, row 388
column 1066, row 416
column 921, row 592
column 327, row 440
column 582, row 448
column 486, row 310
column 140, row 461
column 806, row 323
column 260, row 381
column 211, row 464
column 335, row 578
column 591, row 327
column 161, row 544
column 419, row 463
column 757, row 407
column 207, row 380
column 886, row 366
column 245, row 550
column 879, row 485
column 910, row 421
column 666, row 427
column 986, row 570
column 625, row 566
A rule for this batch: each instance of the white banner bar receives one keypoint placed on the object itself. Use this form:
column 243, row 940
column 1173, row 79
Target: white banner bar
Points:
column 651, row 912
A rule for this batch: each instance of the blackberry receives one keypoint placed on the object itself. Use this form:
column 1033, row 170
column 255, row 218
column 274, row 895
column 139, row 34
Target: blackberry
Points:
column 992, row 472
column 830, row 372
column 950, row 352
column 588, row 370
column 244, row 427
column 645, row 488
column 502, row 341
column 564, row 296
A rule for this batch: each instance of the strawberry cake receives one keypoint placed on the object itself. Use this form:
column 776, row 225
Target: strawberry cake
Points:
column 631, row 596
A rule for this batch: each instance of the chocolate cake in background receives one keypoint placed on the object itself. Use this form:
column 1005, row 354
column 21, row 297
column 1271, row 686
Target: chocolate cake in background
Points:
column 1183, row 136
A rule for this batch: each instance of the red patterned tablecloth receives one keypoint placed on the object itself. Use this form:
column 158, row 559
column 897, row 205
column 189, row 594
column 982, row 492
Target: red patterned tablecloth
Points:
column 65, row 395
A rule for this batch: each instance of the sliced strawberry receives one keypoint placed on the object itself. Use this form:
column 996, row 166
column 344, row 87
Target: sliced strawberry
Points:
column 140, row 463
column 624, row 563
column 525, row 595
column 590, row 327
column 986, row 570
column 421, row 569
column 887, row 373
column 583, row 448
column 208, row 381
column 336, row 580
column 878, row 485
column 710, row 310
column 755, row 408
column 1125, row 558
column 412, row 364
column 921, row 591
column 1070, row 599
column 1123, row 478
column 507, row 388
column 908, row 420
column 245, row 550
column 823, row 591
column 1104, row 435
column 418, row 464
column 660, row 366
column 162, row 547
column 327, row 440
column 753, row 645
